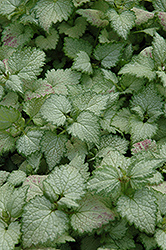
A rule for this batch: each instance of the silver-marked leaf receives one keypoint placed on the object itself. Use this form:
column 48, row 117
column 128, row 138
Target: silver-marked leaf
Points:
column 53, row 147
column 162, row 19
column 41, row 222
column 121, row 23
column 16, row 202
column 142, row 16
column 160, row 237
column 55, row 109
column 16, row 177
column 108, row 54
column 35, row 183
column 48, row 42
column 75, row 146
column 82, row 63
column 8, row 116
column 10, row 235
column 91, row 214
column 14, row 83
column 49, row 11
column 140, row 209
column 65, row 182
column 7, row 142
column 73, row 46
column 86, row 127
column 29, row 143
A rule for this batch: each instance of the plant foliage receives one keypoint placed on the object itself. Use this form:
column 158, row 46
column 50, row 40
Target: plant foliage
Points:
column 82, row 125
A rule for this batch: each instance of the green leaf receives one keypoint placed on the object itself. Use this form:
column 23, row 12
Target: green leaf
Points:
column 48, row 12
column 16, row 177
column 159, row 5
column 35, row 183
column 16, row 202
column 66, row 183
column 94, row 17
column 79, row 2
column 17, row 34
column 90, row 101
column 141, row 171
column 14, row 83
column 140, row 66
column 3, row 177
column 160, row 237
column 141, row 130
column 48, row 42
column 29, row 142
column 91, row 214
column 7, row 7
column 73, row 46
column 149, row 242
column 10, row 235
column 7, row 142
column 55, row 109
column 121, row 23
column 149, row 101
column 121, row 120
column 75, row 31
column 108, row 54
column 75, row 146
column 162, row 76
column 10, row 99
column 26, row 63
column 33, row 106
column 86, row 127
column 53, row 147
column 78, row 163
column 41, row 222
column 159, row 49
column 82, row 63
column 140, row 209
column 162, row 19
column 161, row 187
column 142, row 16
column 8, row 116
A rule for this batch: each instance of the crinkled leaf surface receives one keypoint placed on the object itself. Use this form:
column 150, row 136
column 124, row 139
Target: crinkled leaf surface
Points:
column 73, row 46
column 55, row 109
column 7, row 7
column 91, row 214
column 141, row 66
column 10, row 236
column 86, row 127
column 160, row 237
column 7, row 142
column 94, row 17
column 48, row 42
column 8, row 116
column 29, row 142
column 139, row 209
column 49, row 11
column 42, row 222
column 142, row 16
column 26, row 62
column 82, row 63
column 53, row 147
column 159, row 49
column 65, row 182
column 35, row 183
column 75, row 146
column 121, row 23
column 16, row 177
column 108, row 54
column 14, row 83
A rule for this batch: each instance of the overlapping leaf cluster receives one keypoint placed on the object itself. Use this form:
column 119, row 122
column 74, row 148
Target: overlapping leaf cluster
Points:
column 82, row 124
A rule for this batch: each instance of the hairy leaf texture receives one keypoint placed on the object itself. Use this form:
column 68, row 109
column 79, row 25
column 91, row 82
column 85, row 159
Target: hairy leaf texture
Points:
column 55, row 109
column 91, row 214
column 42, row 222
column 10, row 236
column 108, row 54
column 82, row 63
column 49, row 12
column 95, row 17
column 86, row 127
column 53, row 147
column 139, row 209
column 64, row 184
column 121, row 23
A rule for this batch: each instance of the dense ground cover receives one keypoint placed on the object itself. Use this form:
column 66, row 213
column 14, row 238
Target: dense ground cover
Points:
column 82, row 124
